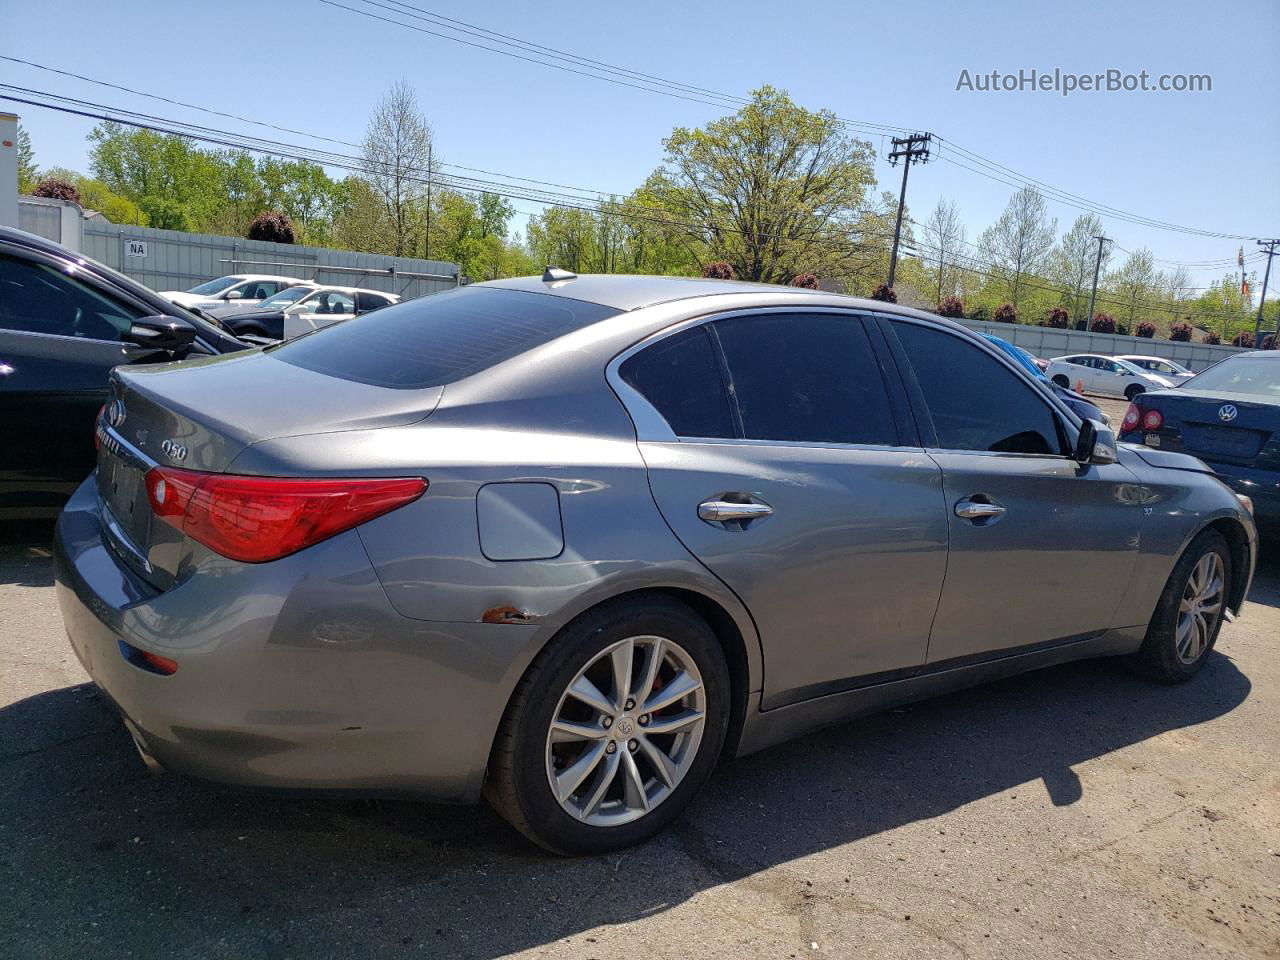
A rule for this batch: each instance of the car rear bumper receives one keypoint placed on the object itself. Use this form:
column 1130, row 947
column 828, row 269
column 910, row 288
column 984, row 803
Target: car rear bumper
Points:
column 296, row 674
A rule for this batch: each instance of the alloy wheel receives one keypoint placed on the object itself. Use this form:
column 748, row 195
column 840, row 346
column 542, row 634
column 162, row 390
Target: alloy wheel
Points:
column 1200, row 606
column 626, row 731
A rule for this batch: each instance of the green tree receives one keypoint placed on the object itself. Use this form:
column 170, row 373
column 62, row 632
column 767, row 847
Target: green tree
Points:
column 397, row 163
column 769, row 189
column 1016, row 247
column 1134, row 288
column 28, row 172
column 1071, row 263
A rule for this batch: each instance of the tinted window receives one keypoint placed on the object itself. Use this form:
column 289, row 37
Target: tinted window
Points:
column 36, row 298
column 330, row 301
column 975, row 401
column 806, row 377
column 439, row 339
column 681, row 378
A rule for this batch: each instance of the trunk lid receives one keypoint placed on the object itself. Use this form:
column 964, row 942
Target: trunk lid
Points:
column 1222, row 427
column 200, row 415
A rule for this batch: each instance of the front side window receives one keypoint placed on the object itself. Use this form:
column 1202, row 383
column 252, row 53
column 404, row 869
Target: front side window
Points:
column 330, row 302
column 37, row 298
column 681, row 378
column 808, row 378
column 975, row 402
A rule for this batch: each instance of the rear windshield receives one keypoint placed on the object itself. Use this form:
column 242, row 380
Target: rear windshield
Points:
column 439, row 339
column 1259, row 376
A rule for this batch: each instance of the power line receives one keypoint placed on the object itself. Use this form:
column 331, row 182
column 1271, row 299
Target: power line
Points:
column 679, row 90
column 550, row 198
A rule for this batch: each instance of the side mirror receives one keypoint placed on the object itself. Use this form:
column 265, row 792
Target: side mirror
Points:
column 233, row 295
column 161, row 333
column 1095, row 444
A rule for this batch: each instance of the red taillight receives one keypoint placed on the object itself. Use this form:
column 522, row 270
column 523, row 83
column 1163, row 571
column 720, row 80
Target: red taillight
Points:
column 256, row 519
column 158, row 663
column 1131, row 417
column 1152, row 420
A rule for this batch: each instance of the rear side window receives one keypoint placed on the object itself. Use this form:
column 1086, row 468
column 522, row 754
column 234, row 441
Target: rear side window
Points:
column 439, row 339
column 976, row 403
column 681, row 378
column 806, row 378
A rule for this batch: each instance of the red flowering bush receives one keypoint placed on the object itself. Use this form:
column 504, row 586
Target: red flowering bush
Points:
column 719, row 270
column 1145, row 329
column 273, row 226
column 1103, row 323
column 1057, row 317
column 809, row 281
column 885, row 293
column 1180, row 331
column 951, row 307
column 56, row 189
column 1005, row 313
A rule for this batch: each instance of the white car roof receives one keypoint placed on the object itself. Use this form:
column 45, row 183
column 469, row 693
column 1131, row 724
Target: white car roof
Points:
column 292, row 281
column 1143, row 356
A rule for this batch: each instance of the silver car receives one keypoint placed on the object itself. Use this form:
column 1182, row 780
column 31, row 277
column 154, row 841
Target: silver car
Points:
column 566, row 542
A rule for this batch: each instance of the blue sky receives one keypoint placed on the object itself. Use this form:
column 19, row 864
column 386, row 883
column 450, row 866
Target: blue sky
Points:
column 1206, row 160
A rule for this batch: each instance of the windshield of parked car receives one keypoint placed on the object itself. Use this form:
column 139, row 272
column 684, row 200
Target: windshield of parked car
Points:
column 215, row 286
column 439, row 339
column 1259, row 376
column 284, row 298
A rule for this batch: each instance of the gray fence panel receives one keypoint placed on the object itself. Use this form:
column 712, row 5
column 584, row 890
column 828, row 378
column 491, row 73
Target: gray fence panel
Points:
column 1051, row 342
column 178, row 261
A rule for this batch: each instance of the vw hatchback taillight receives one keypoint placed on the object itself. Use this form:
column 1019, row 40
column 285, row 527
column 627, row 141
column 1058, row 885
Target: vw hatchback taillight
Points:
column 256, row 519
column 1152, row 420
column 1131, row 417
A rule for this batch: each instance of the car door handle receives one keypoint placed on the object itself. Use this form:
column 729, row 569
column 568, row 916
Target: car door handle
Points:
column 719, row 511
column 978, row 510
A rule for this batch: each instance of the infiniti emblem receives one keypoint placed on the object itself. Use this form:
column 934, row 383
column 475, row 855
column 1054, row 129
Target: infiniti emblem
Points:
column 115, row 412
column 625, row 728
column 174, row 450
column 1227, row 412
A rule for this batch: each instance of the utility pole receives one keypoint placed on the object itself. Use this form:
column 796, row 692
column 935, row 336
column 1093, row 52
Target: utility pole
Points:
column 908, row 149
column 1262, row 301
column 427, row 252
column 1093, row 292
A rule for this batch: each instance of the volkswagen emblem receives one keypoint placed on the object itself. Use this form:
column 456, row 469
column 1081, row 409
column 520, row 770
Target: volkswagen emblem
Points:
column 115, row 412
column 1227, row 412
column 174, row 450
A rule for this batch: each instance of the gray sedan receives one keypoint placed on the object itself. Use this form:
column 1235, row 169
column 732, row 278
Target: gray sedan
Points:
column 566, row 542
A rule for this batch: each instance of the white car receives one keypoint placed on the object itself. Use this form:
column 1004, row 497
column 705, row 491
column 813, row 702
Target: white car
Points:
column 1161, row 367
column 241, row 291
column 301, row 309
column 1108, row 376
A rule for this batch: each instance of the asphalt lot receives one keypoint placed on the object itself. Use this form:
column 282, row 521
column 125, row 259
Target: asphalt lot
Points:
column 1075, row 812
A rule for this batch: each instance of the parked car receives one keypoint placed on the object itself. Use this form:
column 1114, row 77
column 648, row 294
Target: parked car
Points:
column 239, row 292
column 1174, row 372
column 1108, row 376
column 522, row 538
column 65, row 321
column 1227, row 415
column 1079, row 405
column 301, row 309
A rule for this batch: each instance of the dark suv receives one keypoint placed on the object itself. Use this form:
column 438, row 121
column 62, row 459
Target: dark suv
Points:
column 65, row 321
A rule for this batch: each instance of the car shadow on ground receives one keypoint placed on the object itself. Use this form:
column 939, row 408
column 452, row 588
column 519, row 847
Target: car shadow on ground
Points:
column 102, row 858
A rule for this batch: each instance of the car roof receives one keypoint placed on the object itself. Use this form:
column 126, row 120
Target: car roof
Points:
column 632, row 291
column 263, row 276
column 331, row 286
column 1143, row 356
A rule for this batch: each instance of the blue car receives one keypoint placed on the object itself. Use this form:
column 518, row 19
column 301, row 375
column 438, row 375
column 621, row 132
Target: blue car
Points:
column 1079, row 405
column 1227, row 415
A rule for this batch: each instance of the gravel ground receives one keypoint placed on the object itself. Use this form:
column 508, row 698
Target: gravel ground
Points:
column 1074, row 812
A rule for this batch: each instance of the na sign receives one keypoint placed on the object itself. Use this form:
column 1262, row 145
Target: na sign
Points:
column 135, row 248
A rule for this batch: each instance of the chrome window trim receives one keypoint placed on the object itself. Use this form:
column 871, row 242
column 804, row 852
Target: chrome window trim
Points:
column 652, row 427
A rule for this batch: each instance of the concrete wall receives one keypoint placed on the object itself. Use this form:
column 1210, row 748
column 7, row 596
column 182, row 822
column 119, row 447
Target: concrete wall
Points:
column 1051, row 342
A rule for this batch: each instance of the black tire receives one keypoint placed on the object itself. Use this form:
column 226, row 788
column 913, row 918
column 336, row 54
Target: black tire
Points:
column 1062, row 381
column 517, row 786
column 1133, row 390
column 1158, row 658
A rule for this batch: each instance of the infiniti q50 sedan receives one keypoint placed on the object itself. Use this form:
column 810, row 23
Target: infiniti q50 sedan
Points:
column 566, row 542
